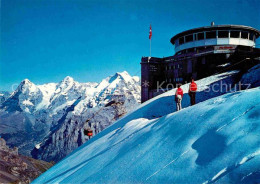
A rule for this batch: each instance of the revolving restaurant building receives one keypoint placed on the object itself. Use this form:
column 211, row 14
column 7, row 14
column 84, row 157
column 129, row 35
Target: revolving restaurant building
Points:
column 199, row 53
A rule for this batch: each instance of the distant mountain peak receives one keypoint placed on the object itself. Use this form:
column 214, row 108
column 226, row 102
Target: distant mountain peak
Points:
column 122, row 75
column 26, row 84
column 67, row 82
column 26, row 81
column 68, row 79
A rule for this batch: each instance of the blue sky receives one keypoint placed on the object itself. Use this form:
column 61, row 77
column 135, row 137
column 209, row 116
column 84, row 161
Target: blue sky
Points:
column 47, row 40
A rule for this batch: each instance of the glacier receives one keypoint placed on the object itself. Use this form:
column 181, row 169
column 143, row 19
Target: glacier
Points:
column 214, row 141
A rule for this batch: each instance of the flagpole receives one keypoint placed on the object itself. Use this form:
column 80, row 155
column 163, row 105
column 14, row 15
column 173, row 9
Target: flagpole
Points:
column 150, row 38
column 151, row 47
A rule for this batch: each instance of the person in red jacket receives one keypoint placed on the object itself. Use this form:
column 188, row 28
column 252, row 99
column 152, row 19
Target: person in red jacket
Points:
column 178, row 97
column 192, row 92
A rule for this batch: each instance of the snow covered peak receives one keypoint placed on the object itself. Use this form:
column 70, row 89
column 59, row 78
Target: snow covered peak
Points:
column 122, row 75
column 27, row 86
column 26, row 81
column 66, row 84
column 68, row 79
column 118, row 80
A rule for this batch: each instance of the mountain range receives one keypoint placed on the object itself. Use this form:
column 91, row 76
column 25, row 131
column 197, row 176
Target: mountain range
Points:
column 47, row 121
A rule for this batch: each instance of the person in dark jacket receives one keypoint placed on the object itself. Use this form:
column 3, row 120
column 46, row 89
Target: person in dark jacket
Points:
column 192, row 92
column 178, row 97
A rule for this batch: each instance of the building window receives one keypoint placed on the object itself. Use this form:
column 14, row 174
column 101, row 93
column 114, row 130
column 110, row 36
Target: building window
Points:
column 211, row 34
column 181, row 40
column 222, row 34
column 234, row 34
column 244, row 35
column 251, row 36
column 189, row 38
column 200, row 36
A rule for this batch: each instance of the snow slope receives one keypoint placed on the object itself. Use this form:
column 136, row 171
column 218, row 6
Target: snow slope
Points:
column 252, row 77
column 205, row 91
column 215, row 141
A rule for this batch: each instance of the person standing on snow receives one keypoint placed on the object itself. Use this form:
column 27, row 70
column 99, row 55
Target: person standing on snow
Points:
column 192, row 92
column 178, row 97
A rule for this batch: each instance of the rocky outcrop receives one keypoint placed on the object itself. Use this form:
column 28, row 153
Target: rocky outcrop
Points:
column 4, row 147
column 15, row 168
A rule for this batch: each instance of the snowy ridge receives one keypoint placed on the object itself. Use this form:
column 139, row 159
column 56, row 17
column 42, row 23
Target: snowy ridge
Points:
column 199, row 144
column 252, row 76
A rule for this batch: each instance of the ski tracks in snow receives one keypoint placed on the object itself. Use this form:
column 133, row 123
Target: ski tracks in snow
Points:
column 168, row 164
column 229, row 169
column 59, row 178
column 220, row 128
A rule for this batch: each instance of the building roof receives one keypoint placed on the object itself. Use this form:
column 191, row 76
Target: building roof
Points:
column 215, row 27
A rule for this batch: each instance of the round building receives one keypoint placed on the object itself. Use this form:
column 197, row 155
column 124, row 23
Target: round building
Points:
column 199, row 53
column 219, row 35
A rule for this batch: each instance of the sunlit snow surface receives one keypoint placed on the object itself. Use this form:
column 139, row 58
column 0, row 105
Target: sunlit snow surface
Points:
column 215, row 141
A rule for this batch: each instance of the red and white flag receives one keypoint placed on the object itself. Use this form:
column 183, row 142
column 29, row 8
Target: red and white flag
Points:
column 150, row 34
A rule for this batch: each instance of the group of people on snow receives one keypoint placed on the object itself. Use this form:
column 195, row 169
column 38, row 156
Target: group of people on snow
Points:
column 192, row 94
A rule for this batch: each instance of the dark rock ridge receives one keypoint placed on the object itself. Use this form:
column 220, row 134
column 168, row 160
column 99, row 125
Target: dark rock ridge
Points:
column 15, row 168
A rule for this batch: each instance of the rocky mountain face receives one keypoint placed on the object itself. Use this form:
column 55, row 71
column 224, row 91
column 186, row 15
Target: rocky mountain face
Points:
column 15, row 168
column 3, row 96
column 49, row 119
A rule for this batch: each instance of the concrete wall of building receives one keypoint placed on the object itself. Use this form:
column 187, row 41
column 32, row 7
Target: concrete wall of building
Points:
column 151, row 74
